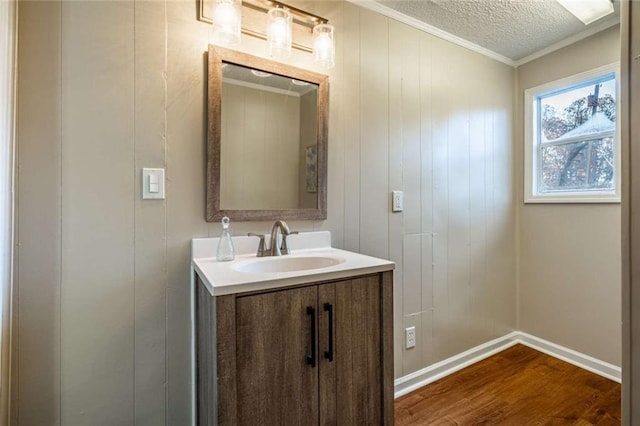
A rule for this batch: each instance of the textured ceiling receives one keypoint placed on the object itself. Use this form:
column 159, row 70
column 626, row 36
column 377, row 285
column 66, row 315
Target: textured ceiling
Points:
column 512, row 28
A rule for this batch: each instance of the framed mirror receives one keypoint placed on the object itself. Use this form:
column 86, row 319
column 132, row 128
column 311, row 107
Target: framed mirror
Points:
column 266, row 140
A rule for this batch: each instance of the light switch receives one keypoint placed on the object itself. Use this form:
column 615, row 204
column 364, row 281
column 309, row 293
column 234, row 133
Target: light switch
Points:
column 152, row 184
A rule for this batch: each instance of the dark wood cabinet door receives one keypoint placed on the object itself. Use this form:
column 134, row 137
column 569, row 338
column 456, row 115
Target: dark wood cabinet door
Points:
column 351, row 383
column 326, row 343
column 276, row 384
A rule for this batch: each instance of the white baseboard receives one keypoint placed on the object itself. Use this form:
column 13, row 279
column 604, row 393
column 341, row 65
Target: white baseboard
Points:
column 437, row 371
column 589, row 363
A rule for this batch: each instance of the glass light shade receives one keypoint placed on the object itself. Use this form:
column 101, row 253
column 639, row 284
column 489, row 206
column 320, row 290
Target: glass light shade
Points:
column 279, row 32
column 227, row 21
column 588, row 11
column 324, row 50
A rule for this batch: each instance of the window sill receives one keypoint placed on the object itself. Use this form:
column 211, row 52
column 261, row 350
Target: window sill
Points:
column 573, row 199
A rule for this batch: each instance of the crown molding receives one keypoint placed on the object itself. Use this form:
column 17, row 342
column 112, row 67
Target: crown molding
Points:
column 415, row 23
column 596, row 28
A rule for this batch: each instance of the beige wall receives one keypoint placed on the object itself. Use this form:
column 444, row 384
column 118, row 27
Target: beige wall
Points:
column 450, row 150
column 260, row 149
column 106, row 88
column 569, row 278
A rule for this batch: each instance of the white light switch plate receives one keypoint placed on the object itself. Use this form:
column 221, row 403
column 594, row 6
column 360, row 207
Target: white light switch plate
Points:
column 152, row 184
column 397, row 203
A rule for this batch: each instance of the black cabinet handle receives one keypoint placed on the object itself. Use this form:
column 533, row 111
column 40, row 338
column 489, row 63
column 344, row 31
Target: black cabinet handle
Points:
column 328, row 307
column 311, row 360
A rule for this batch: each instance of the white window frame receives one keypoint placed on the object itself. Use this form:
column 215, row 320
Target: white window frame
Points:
column 531, row 130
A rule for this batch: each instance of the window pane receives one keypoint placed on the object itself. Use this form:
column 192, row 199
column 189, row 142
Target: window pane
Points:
column 585, row 110
column 579, row 166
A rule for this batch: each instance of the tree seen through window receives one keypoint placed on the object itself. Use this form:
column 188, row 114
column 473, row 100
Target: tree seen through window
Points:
column 577, row 137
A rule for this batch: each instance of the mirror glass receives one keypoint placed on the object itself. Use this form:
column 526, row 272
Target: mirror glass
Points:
column 268, row 147
column 266, row 139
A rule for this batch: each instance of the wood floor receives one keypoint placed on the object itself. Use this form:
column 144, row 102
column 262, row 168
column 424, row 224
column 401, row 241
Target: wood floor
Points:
column 519, row 386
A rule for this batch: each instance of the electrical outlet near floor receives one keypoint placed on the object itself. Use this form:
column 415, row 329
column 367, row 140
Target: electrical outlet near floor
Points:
column 410, row 337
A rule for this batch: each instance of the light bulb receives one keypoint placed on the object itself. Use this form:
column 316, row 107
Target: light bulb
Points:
column 279, row 32
column 323, row 47
column 227, row 21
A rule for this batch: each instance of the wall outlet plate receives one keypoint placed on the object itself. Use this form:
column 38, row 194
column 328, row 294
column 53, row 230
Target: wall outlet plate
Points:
column 397, row 201
column 410, row 337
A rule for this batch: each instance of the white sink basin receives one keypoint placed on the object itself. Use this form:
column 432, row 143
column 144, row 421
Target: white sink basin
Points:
column 287, row 264
column 312, row 260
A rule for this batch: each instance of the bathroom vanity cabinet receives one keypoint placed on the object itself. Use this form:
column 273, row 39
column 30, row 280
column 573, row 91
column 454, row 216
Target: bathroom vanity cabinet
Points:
column 313, row 353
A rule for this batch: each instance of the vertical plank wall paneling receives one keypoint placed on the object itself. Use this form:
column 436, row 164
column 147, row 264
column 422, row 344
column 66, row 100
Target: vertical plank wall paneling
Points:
column 97, row 328
column 186, row 83
column 479, row 120
column 499, row 299
column 150, row 285
column 338, row 85
column 36, row 395
column 395, row 181
column 262, row 148
column 404, row 172
column 425, row 88
column 408, row 111
column 374, row 134
column 351, row 137
column 438, row 121
column 458, row 182
column 440, row 135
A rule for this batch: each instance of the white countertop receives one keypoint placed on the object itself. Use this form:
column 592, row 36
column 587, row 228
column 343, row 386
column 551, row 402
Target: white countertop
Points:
column 221, row 278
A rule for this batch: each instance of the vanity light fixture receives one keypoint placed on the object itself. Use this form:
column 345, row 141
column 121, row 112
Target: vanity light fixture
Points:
column 323, row 46
column 227, row 21
column 279, row 32
column 588, row 11
column 286, row 27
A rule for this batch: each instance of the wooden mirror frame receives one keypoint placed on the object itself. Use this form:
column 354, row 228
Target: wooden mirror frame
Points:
column 218, row 55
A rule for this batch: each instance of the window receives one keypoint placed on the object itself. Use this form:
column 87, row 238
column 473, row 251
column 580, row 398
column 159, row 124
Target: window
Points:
column 571, row 142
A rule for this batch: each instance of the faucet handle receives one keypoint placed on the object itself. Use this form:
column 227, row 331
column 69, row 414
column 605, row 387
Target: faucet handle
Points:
column 283, row 248
column 262, row 247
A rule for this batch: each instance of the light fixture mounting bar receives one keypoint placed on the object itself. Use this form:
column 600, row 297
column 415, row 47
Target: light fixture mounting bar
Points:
column 300, row 17
column 253, row 21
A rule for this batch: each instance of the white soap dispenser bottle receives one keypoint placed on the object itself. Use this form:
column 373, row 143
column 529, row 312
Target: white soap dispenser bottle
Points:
column 225, row 250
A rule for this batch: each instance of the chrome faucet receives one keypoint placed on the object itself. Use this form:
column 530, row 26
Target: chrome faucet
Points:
column 274, row 249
